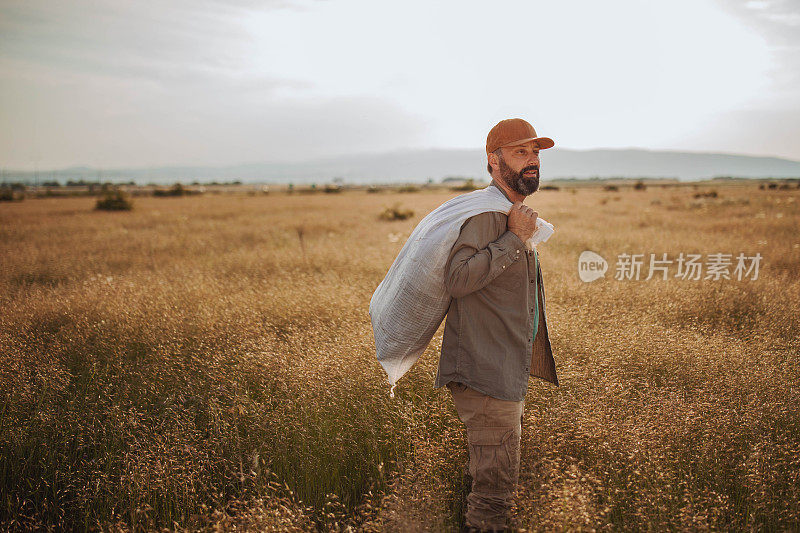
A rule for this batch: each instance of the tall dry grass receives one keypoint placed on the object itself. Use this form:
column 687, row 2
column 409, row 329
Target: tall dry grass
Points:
column 207, row 363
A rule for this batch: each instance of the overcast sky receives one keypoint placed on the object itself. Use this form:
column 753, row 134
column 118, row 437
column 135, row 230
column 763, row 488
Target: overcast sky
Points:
column 110, row 83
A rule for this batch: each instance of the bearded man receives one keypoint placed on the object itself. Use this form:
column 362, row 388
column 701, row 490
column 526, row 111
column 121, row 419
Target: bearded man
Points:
column 495, row 334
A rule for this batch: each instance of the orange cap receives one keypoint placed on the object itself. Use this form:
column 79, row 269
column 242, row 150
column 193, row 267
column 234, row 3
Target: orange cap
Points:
column 514, row 131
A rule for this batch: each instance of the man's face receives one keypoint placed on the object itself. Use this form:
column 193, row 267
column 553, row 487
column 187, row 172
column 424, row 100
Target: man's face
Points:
column 519, row 168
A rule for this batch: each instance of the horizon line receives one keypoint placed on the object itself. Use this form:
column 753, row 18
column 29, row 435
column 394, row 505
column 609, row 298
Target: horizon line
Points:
column 4, row 169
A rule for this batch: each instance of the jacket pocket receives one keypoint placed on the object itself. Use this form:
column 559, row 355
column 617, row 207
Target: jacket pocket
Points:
column 509, row 280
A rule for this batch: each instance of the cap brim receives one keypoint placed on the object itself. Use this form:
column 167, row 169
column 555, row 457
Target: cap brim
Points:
column 543, row 142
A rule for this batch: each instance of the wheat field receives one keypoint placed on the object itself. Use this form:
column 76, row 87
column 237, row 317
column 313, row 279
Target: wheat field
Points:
column 207, row 363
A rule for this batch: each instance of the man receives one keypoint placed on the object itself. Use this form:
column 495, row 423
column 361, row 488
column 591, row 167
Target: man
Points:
column 495, row 333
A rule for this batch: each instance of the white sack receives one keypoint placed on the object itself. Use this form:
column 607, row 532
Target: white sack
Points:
column 410, row 303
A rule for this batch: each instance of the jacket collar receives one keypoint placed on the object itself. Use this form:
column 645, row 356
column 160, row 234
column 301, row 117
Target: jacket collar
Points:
column 494, row 183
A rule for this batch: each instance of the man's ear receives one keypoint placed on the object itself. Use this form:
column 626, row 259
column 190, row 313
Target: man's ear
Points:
column 494, row 161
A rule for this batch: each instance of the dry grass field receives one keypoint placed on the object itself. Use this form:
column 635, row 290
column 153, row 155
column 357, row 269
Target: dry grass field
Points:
column 207, row 363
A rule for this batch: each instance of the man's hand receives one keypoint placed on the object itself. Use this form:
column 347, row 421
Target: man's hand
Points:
column 522, row 220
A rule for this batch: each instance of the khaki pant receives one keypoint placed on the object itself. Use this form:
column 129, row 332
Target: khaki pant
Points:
column 494, row 428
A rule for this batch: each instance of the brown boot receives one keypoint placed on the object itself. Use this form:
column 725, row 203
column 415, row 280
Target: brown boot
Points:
column 472, row 529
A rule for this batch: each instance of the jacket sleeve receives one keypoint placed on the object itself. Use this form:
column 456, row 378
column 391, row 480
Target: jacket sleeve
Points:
column 483, row 249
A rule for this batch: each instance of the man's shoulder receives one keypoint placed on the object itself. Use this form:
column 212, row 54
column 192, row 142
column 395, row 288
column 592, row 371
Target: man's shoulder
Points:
column 488, row 224
column 489, row 219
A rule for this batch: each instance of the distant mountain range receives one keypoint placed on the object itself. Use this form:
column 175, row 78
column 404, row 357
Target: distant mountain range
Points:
column 418, row 166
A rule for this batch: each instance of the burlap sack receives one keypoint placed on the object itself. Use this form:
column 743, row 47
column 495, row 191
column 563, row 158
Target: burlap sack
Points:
column 410, row 303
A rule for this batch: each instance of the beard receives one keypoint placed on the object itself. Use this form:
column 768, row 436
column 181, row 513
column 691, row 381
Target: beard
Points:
column 517, row 181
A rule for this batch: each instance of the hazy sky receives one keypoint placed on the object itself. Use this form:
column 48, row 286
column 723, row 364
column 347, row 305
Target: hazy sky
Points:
column 110, row 83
